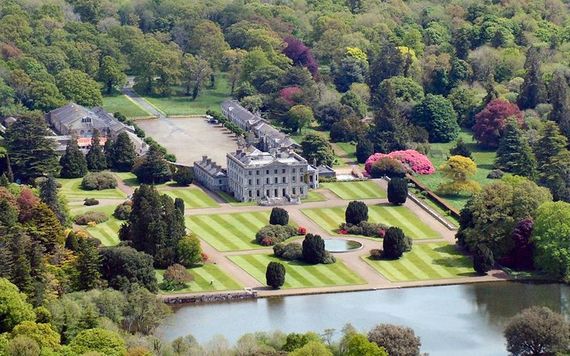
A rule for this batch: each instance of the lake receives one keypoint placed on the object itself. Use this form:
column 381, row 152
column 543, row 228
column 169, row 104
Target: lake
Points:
column 450, row 320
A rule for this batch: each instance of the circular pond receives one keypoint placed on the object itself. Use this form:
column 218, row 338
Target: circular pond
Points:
column 338, row 245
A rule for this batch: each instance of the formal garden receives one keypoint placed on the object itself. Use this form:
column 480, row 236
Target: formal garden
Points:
column 355, row 190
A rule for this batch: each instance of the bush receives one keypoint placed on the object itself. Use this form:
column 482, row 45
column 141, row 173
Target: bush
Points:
column 387, row 166
column 96, row 217
column 275, row 275
column 356, row 212
column 395, row 243
column 123, row 210
column 413, row 161
column 365, row 228
column 291, row 252
column 189, row 251
column 495, row 174
column 98, row 181
column 376, row 254
column 397, row 340
column 279, row 216
column 314, row 249
column 175, row 277
column 183, row 176
column 483, row 260
column 90, row 202
column 398, row 191
column 273, row 234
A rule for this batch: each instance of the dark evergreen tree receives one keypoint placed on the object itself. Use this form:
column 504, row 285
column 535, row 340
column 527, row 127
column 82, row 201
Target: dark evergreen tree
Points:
column 275, row 275
column 397, row 191
column 514, row 154
column 108, row 151
column 88, row 264
column 483, row 259
column 153, row 168
column 32, row 153
column 122, row 267
column 73, row 163
column 391, row 129
column 44, row 228
column 533, row 91
column 50, row 196
column 560, row 99
column 279, row 216
column 183, row 176
column 5, row 166
column 314, row 249
column 364, row 149
column 123, row 153
column 389, row 62
column 435, row 114
column 20, row 269
column 553, row 161
column 460, row 149
column 96, row 160
column 356, row 212
column 38, row 270
column 179, row 205
column 394, row 243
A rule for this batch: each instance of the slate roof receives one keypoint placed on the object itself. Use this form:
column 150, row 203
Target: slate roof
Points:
column 213, row 169
column 68, row 115
column 241, row 113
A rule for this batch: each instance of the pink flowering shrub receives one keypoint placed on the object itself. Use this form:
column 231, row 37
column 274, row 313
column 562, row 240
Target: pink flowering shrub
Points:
column 302, row 230
column 290, row 94
column 414, row 161
column 343, row 232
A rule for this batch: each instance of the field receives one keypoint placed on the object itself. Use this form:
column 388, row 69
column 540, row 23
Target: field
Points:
column 299, row 275
column 438, row 155
column 209, row 99
column 71, row 189
column 106, row 232
column 122, row 104
column 208, row 277
column 400, row 216
column 356, row 190
column 425, row 262
column 193, row 197
column 229, row 232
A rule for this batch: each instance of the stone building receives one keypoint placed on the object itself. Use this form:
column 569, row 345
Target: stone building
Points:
column 210, row 174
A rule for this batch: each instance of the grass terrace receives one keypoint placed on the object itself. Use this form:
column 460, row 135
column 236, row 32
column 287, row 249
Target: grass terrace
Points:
column 71, row 189
column 233, row 201
column 203, row 275
column 426, row 261
column 124, row 105
column 193, row 197
column 229, row 232
column 299, row 275
column 180, row 104
column 128, row 178
column 400, row 216
column 346, row 152
column 314, row 196
column 356, row 190
column 107, row 232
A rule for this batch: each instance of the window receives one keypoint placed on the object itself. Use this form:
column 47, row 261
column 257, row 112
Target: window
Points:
column 294, row 179
column 256, row 173
column 283, row 171
column 294, row 190
column 267, row 180
column 250, row 172
column 249, row 181
column 276, row 193
column 276, row 180
column 284, row 192
column 275, row 171
column 284, row 179
column 302, row 190
column 250, row 194
column 267, row 193
column 257, row 192
column 220, row 181
column 267, row 171
column 257, row 181
column 293, row 170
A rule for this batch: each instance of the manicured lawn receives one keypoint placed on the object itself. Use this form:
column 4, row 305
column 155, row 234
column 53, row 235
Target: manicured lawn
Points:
column 203, row 275
column 314, row 196
column 128, row 178
column 356, row 190
column 233, row 201
column 438, row 155
column 400, row 216
column 193, row 197
column 209, row 99
column 426, row 261
column 229, row 232
column 107, row 232
column 299, row 275
column 71, row 189
column 122, row 104
column 346, row 151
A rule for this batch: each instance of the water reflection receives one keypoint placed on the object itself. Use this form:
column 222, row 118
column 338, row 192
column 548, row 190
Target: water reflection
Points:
column 451, row 320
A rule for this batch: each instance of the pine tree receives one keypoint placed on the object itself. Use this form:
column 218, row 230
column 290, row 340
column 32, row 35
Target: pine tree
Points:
column 44, row 228
column 153, row 169
column 514, row 154
column 123, row 153
column 390, row 132
column 88, row 264
column 560, row 99
column 49, row 195
column 551, row 143
column 20, row 270
column 553, row 161
column 73, row 163
column 533, row 91
column 108, row 150
column 96, row 160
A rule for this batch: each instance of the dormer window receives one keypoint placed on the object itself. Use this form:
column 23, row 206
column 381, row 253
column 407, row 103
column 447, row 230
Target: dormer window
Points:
column 86, row 120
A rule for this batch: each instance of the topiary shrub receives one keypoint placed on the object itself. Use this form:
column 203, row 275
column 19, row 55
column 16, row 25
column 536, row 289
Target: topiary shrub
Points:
column 397, row 191
column 314, row 249
column 272, row 234
column 389, row 167
column 483, row 259
column 279, row 216
column 123, row 210
column 291, row 252
column 90, row 202
column 395, row 243
column 98, row 181
column 183, row 176
column 356, row 212
column 275, row 275
column 95, row 217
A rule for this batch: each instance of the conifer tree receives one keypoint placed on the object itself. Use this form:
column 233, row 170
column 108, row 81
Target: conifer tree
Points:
column 73, row 163
column 533, row 91
column 108, row 150
column 44, row 228
column 96, row 160
column 49, row 196
column 553, row 161
column 123, row 153
column 88, row 264
column 153, row 169
column 20, row 270
column 390, row 132
column 364, row 149
column 514, row 154
column 560, row 99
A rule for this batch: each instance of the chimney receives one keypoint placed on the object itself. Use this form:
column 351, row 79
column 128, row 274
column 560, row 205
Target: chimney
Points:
column 204, row 158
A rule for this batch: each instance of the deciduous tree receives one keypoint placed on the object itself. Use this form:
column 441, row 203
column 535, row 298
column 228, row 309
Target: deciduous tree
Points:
column 78, row 87
column 483, row 259
column 98, row 340
column 435, row 113
column 458, row 170
column 317, row 149
column 13, row 306
column 551, row 238
column 111, row 74
column 491, row 121
column 397, row 340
